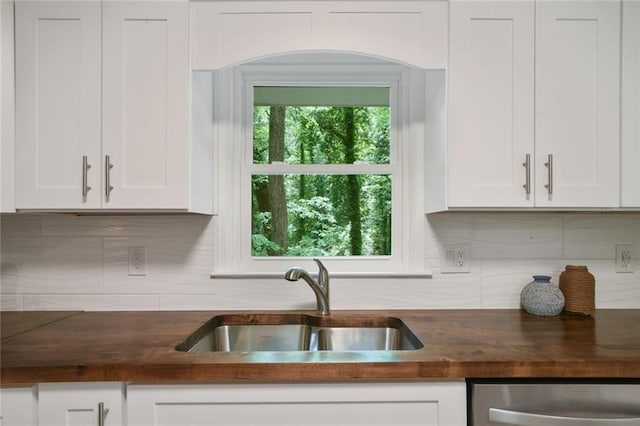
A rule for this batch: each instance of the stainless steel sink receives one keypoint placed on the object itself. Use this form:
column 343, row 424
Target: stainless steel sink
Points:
column 292, row 332
column 249, row 338
column 363, row 339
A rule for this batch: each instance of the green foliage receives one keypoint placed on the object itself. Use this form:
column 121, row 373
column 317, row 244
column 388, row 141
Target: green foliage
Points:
column 328, row 215
column 262, row 246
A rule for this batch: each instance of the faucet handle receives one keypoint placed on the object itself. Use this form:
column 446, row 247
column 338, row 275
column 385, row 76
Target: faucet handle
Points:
column 323, row 276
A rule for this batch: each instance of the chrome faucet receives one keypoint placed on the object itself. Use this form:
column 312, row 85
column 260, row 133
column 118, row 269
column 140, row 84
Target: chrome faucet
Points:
column 319, row 287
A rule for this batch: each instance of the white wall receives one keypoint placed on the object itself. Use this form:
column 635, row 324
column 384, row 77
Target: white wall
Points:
column 57, row 262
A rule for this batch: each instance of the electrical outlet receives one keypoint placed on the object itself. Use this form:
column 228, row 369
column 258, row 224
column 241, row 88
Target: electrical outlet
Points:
column 137, row 261
column 625, row 257
column 455, row 258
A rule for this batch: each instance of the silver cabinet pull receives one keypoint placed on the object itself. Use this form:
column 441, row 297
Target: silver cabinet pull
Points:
column 549, row 165
column 85, row 169
column 527, row 179
column 107, row 177
column 102, row 413
column 521, row 418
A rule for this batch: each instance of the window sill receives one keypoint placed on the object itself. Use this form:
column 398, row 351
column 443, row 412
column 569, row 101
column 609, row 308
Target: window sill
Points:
column 338, row 275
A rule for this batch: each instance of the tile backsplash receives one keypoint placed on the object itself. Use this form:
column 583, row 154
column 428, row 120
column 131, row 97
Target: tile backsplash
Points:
column 65, row 262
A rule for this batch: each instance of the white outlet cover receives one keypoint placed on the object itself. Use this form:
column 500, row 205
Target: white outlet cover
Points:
column 137, row 261
column 625, row 258
column 455, row 258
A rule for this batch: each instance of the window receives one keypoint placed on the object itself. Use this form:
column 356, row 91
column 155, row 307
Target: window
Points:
column 319, row 161
column 302, row 204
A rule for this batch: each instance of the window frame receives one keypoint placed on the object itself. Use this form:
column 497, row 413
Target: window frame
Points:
column 235, row 166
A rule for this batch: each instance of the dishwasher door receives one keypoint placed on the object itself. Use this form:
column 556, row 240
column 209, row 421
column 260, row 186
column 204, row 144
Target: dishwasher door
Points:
column 554, row 404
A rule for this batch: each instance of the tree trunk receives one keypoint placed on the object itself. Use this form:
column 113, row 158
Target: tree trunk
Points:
column 353, row 186
column 277, row 196
column 301, row 226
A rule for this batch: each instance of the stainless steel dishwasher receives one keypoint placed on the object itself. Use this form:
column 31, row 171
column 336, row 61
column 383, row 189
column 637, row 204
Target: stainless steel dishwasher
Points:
column 553, row 403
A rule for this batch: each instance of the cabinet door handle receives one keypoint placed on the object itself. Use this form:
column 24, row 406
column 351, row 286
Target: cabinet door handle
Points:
column 521, row 418
column 549, row 165
column 107, row 177
column 85, row 169
column 102, row 413
column 527, row 178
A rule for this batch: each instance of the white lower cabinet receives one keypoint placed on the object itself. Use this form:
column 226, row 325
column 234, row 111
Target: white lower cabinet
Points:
column 336, row 404
column 81, row 404
column 328, row 404
column 18, row 406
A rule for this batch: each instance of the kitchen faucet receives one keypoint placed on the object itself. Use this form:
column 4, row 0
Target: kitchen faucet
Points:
column 319, row 287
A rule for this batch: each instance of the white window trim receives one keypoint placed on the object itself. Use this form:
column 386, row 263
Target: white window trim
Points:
column 232, row 133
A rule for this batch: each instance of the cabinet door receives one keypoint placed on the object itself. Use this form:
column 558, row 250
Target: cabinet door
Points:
column 491, row 103
column 424, row 404
column 7, row 109
column 630, row 184
column 57, row 103
column 145, row 104
column 77, row 404
column 578, row 103
column 18, row 406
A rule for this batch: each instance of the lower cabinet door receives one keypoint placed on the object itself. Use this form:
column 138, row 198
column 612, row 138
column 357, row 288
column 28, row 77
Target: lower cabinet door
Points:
column 18, row 406
column 81, row 404
column 388, row 404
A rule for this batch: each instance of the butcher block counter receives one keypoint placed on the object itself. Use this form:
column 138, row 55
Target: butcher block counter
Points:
column 42, row 347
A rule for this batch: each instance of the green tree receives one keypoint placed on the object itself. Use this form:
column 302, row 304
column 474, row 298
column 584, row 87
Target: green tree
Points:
column 328, row 215
column 353, row 186
column 276, row 190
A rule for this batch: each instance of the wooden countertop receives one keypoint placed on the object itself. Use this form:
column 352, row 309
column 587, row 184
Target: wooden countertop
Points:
column 12, row 323
column 139, row 346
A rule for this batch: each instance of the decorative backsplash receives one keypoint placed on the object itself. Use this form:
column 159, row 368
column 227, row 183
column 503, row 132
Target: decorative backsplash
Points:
column 64, row 262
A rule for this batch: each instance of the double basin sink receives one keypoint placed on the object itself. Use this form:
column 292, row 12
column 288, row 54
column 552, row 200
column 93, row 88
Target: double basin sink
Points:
column 299, row 332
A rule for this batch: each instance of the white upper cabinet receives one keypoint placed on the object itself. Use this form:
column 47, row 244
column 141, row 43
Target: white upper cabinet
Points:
column 57, row 104
column 630, row 185
column 533, row 82
column 102, row 112
column 491, row 123
column 145, row 104
column 229, row 32
column 578, row 103
column 7, row 109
